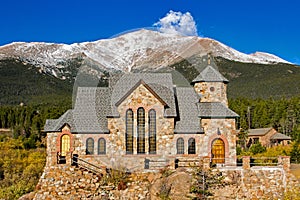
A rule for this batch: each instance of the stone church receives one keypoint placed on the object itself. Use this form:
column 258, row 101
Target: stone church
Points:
column 143, row 120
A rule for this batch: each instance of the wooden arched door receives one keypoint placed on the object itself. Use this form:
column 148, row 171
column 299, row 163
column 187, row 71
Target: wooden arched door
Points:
column 65, row 145
column 218, row 151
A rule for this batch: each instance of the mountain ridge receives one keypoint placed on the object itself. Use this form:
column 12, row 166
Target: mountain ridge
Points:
column 25, row 73
column 128, row 51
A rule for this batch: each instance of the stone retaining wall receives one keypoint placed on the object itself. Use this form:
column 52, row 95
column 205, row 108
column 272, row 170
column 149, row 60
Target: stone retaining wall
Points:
column 255, row 183
column 70, row 182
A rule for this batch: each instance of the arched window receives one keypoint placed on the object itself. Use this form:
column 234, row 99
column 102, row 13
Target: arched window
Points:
column 180, row 146
column 141, row 130
column 101, row 146
column 129, row 132
column 218, row 151
column 65, row 145
column 90, row 146
column 192, row 146
column 152, row 132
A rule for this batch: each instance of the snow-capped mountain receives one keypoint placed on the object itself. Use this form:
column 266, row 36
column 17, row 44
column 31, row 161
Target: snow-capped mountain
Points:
column 142, row 48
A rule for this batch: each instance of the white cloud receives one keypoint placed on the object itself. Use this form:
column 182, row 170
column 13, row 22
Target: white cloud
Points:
column 177, row 23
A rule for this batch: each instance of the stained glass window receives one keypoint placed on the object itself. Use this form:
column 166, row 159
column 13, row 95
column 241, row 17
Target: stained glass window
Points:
column 192, row 146
column 129, row 132
column 180, row 146
column 152, row 132
column 90, row 146
column 140, row 130
column 101, row 146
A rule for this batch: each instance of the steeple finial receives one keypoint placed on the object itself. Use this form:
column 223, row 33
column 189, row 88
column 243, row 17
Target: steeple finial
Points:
column 208, row 59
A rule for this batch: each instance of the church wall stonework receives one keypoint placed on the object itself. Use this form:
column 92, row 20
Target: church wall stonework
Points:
column 115, row 140
column 198, row 138
column 142, row 97
column 223, row 129
column 212, row 92
column 166, row 139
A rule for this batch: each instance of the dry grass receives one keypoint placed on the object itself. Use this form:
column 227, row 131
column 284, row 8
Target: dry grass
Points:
column 295, row 169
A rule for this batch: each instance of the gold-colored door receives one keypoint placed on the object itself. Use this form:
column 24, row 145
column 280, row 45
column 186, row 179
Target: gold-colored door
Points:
column 218, row 151
column 65, row 145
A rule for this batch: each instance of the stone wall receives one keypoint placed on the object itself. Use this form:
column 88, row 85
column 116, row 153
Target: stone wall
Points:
column 223, row 129
column 142, row 97
column 255, row 183
column 212, row 92
column 70, row 182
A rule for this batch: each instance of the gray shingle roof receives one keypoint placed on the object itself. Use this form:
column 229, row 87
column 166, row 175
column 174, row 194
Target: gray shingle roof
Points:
column 90, row 110
column 168, row 96
column 57, row 124
column 210, row 74
column 160, row 83
column 258, row 131
column 215, row 110
column 189, row 122
column 280, row 136
column 94, row 104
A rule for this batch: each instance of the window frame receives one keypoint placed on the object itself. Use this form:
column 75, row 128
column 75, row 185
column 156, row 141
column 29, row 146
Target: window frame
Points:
column 180, row 146
column 141, row 133
column 129, row 131
column 191, row 146
column 103, row 152
column 152, row 131
column 90, row 149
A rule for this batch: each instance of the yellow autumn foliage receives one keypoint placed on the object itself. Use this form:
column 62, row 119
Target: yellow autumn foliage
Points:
column 20, row 169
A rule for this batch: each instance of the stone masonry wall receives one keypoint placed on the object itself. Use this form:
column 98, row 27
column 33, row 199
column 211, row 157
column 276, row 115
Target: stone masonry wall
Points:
column 256, row 183
column 69, row 182
column 223, row 129
column 140, row 97
column 212, row 92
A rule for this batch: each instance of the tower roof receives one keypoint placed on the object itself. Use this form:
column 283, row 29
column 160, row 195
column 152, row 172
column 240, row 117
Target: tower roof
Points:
column 210, row 74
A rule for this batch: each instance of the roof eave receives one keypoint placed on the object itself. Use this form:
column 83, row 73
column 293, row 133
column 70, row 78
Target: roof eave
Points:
column 200, row 81
column 218, row 117
column 92, row 132
column 189, row 132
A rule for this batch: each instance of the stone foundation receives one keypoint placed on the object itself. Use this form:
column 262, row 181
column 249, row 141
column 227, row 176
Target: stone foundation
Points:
column 63, row 181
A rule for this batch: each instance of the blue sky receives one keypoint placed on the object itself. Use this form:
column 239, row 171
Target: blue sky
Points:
column 248, row 26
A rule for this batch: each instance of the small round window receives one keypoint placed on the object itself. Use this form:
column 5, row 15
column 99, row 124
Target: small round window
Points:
column 212, row 89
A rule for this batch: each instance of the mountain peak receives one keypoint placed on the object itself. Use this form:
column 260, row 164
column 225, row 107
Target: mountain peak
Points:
column 130, row 50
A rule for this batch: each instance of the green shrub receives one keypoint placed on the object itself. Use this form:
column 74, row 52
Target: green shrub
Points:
column 257, row 148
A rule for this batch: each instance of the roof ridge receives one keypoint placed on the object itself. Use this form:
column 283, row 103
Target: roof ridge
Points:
column 210, row 74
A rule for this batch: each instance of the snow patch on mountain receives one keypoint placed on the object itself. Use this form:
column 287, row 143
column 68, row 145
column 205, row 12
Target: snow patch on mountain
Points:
column 134, row 49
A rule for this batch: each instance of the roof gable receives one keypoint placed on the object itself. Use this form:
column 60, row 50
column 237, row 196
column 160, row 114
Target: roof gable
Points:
column 141, row 82
column 161, row 85
column 210, row 74
column 58, row 124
